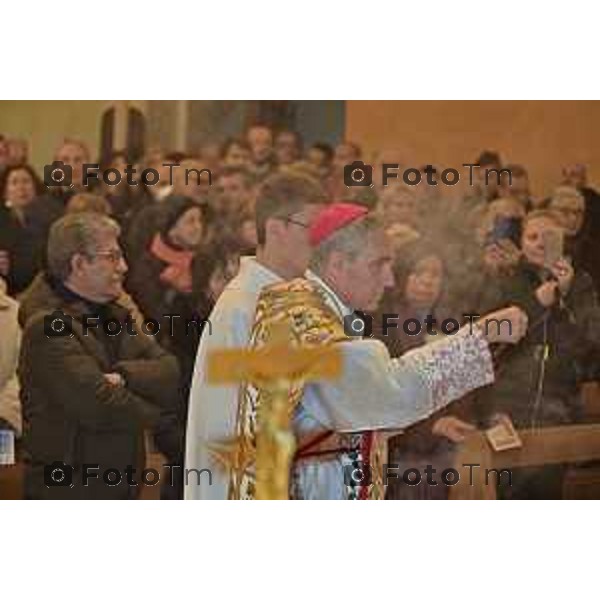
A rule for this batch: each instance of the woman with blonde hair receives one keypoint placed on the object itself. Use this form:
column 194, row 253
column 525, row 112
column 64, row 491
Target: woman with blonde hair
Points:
column 538, row 384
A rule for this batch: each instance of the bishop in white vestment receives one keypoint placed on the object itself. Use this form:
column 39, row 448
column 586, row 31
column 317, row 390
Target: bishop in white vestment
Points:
column 374, row 391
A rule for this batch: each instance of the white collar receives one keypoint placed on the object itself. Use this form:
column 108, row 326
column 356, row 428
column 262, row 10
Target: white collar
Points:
column 331, row 296
column 255, row 274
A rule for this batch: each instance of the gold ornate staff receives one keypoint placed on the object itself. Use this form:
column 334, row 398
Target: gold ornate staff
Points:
column 272, row 369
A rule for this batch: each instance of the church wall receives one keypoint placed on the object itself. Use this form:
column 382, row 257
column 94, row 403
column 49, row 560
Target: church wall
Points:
column 45, row 123
column 542, row 135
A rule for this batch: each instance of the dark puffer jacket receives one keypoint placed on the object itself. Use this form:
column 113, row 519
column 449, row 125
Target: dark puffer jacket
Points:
column 537, row 380
column 71, row 413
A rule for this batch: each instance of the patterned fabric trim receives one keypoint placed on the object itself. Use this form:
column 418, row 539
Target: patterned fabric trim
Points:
column 311, row 322
column 454, row 366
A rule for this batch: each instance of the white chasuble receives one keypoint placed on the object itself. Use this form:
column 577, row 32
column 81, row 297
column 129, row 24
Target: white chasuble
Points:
column 373, row 393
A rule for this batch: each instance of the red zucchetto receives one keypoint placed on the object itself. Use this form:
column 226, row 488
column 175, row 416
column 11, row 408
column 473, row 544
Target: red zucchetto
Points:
column 333, row 218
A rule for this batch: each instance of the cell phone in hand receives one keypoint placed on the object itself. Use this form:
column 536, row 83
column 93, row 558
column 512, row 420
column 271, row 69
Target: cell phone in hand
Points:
column 553, row 246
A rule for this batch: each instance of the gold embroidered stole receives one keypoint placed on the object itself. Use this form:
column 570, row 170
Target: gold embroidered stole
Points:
column 309, row 321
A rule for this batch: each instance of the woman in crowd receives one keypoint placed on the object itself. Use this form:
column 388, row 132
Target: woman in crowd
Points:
column 213, row 266
column 164, row 272
column 144, row 217
column 161, row 283
column 419, row 274
column 21, row 245
column 538, row 381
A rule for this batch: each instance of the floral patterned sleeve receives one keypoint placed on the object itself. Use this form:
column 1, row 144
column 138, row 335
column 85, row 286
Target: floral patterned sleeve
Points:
column 452, row 366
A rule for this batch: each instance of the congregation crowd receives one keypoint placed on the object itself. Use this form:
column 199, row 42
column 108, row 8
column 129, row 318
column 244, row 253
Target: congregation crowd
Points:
column 171, row 248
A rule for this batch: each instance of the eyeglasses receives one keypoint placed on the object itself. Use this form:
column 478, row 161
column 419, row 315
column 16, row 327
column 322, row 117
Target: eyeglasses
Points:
column 114, row 256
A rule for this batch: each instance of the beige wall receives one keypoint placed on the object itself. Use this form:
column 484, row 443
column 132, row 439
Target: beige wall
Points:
column 541, row 135
column 46, row 122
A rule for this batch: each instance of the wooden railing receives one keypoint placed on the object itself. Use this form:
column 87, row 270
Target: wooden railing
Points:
column 551, row 445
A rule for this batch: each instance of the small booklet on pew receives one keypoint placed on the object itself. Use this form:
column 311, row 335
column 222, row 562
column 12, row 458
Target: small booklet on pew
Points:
column 502, row 435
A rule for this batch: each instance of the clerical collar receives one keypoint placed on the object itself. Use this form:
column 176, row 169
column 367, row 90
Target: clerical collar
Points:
column 332, row 296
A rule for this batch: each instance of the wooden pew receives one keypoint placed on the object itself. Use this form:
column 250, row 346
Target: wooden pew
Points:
column 551, row 445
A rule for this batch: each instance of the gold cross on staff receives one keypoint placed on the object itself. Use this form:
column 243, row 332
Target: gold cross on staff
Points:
column 271, row 368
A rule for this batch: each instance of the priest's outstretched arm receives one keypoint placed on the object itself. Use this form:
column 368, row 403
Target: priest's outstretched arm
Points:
column 378, row 392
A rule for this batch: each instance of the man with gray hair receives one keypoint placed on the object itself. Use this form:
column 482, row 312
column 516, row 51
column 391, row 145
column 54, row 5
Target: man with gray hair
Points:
column 336, row 423
column 90, row 385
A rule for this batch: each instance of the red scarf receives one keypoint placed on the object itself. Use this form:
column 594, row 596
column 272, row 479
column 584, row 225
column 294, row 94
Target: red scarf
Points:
column 178, row 272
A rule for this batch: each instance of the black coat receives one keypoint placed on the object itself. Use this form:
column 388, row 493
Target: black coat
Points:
column 156, row 299
column 559, row 351
column 25, row 245
column 179, row 334
column 589, row 246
